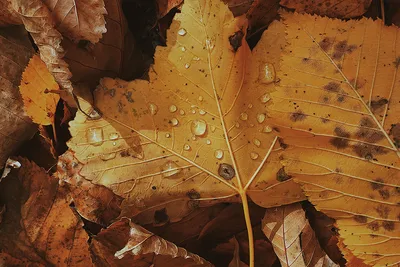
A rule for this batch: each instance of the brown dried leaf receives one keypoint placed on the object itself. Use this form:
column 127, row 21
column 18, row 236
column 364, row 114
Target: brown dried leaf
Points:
column 236, row 262
column 329, row 8
column 15, row 126
column 164, row 6
column 293, row 239
column 7, row 14
column 125, row 243
column 93, row 202
column 50, row 232
column 39, row 22
column 239, row 7
column 78, row 19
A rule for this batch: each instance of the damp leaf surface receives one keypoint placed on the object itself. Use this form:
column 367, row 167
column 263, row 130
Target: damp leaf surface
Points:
column 337, row 106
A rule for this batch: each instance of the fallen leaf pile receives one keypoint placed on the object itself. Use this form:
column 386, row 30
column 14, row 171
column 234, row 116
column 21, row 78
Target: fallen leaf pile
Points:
column 262, row 133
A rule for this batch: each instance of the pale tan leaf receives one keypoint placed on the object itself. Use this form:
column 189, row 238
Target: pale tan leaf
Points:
column 39, row 22
column 15, row 126
column 339, row 89
column 79, row 19
column 330, row 8
column 293, row 239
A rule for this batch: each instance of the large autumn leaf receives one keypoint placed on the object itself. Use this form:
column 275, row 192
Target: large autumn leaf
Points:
column 339, row 89
column 198, row 131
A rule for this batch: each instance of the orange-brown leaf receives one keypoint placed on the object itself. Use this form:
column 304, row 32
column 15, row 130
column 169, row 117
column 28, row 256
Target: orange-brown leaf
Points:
column 36, row 81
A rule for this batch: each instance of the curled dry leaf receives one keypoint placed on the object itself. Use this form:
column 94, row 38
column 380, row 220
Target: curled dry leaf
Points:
column 7, row 14
column 339, row 88
column 15, row 126
column 93, row 202
column 292, row 237
column 78, row 19
column 330, row 8
column 39, row 104
column 164, row 6
column 39, row 22
column 133, row 244
column 197, row 133
column 50, row 233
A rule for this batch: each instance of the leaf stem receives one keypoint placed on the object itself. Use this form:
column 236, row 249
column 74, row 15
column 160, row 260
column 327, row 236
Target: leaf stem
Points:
column 383, row 11
column 249, row 227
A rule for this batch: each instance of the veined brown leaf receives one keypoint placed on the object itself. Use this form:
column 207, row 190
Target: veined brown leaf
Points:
column 340, row 89
column 8, row 15
column 198, row 132
column 293, row 239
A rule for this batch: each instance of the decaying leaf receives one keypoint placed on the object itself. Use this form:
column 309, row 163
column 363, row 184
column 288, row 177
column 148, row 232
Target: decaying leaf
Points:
column 330, row 8
column 236, row 262
column 239, row 7
column 93, row 202
column 78, row 19
column 132, row 244
column 293, row 239
column 15, row 126
column 39, row 22
column 49, row 232
column 339, row 89
column 164, row 6
column 39, row 103
column 7, row 14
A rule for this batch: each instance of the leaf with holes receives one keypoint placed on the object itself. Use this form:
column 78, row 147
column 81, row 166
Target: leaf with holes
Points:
column 292, row 237
column 340, row 91
column 195, row 134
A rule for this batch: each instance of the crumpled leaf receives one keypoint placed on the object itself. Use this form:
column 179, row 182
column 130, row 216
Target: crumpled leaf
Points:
column 39, row 104
column 93, row 202
column 7, row 14
column 159, row 148
column 79, row 19
column 15, row 126
column 293, row 239
column 329, row 8
column 339, row 89
column 39, row 22
column 132, row 244
column 49, row 232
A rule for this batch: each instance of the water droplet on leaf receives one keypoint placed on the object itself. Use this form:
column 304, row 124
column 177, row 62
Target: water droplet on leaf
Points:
column 265, row 98
column 219, row 153
column 113, row 136
column 153, row 109
column 256, row 142
column 267, row 129
column 243, row 116
column 172, row 108
column 198, row 127
column 182, row 32
column 107, row 156
column 169, row 169
column 174, row 121
column 261, row 117
column 253, row 155
column 186, row 147
column 95, row 136
column 226, row 171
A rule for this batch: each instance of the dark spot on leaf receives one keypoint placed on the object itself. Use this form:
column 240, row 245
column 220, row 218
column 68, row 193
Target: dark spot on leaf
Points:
column 395, row 133
column 360, row 218
column 281, row 175
column 324, row 120
column 376, row 104
column 193, row 194
column 111, row 92
column 397, row 62
column 384, row 193
column 161, row 217
column 282, row 143
column 339, row 143
column 367, row 122
column 298, row 116
column 377, row 184
column 340, row 132
column 383, row 211
column 128, row 96
column 236, row 40
column 226, row 171
column 389, row 226
column 340, row 99
column 369, row 135
column 332, row 87
column 154, row 187
column 125, row 153
column 368, row 151
column 341, row 48
column 374, row 226
column 326, row 43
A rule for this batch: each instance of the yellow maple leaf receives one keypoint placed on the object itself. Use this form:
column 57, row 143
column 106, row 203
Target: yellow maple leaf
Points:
column 339, row 90
column 36, row 79
column 198, row 131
